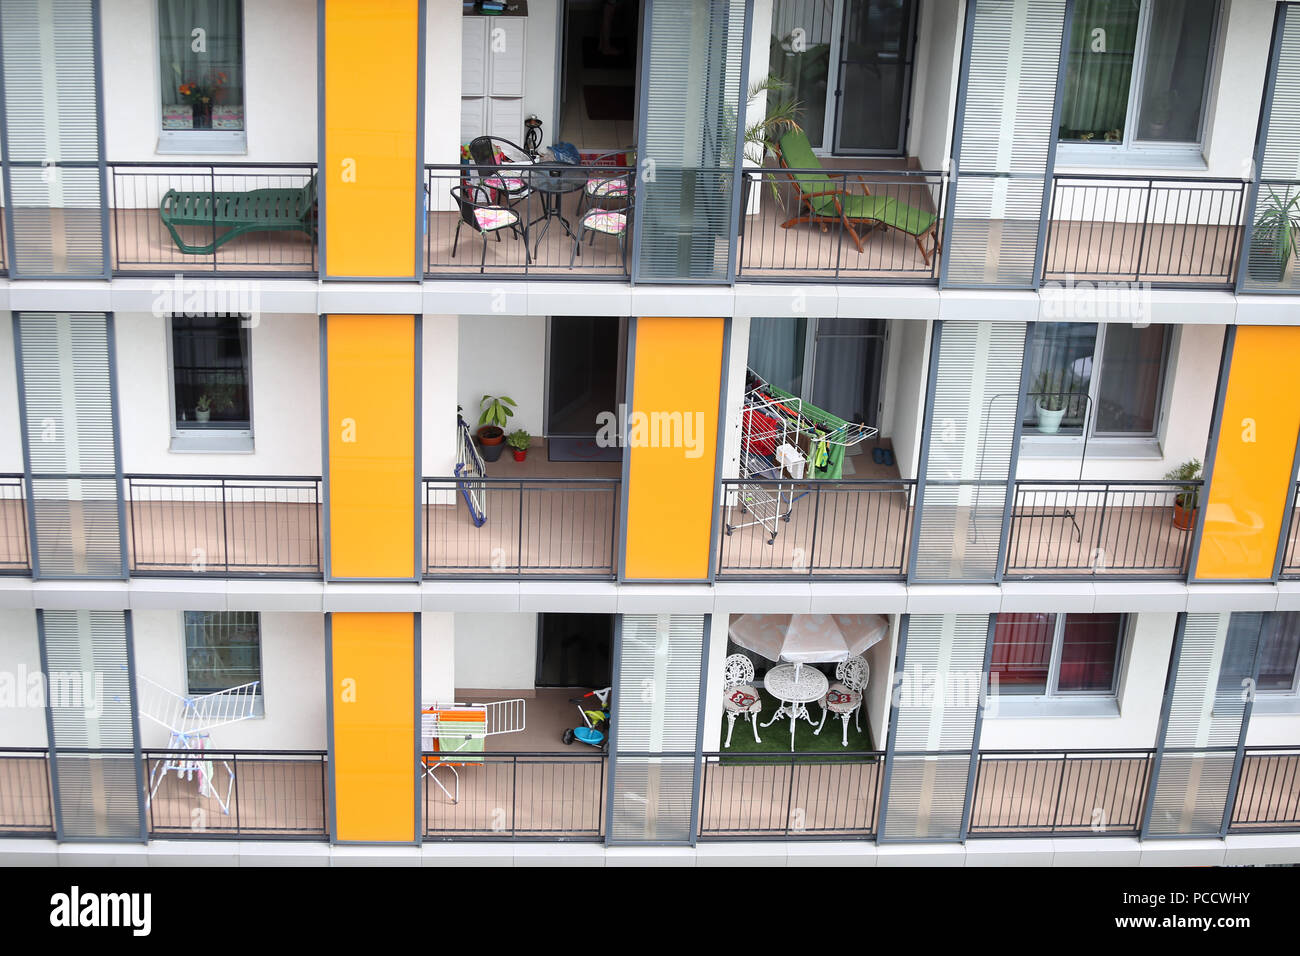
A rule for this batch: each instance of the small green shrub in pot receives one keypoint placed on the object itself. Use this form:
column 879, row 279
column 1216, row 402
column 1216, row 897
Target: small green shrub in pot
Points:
column 1187, row 500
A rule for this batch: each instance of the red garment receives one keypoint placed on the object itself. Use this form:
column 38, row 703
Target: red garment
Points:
column 762, row 431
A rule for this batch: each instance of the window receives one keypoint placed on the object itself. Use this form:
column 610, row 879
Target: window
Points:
column 1056, row 654
column 847, row 65
column 201, row 57
column 223, row 649
column 1278, row 652
column 1105, row 381
column 1137, row 75
column 211, row 393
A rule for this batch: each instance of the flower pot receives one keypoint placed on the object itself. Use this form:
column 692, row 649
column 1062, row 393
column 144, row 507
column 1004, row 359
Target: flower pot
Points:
column 1184, row 518
column 491, row 441
column 202, row 415
column 520, row 453
column 1049, row 422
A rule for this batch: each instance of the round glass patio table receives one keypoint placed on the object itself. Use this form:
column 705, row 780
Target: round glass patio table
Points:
column 795, row 687
column 551, row 181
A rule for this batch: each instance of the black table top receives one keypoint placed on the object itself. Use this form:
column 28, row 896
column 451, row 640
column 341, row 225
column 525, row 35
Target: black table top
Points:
column 555, row 177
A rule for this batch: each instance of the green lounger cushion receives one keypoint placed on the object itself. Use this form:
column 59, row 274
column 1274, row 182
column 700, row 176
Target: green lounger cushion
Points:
column 797, row 153
column 257, row 210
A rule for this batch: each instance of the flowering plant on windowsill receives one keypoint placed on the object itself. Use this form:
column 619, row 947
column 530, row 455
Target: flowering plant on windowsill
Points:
column 203, row 92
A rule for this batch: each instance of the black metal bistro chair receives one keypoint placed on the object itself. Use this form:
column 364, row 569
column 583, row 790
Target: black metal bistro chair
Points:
column 486, row 219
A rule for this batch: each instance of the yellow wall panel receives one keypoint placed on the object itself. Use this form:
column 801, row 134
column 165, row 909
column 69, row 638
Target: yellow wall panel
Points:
column 677, row 376
column 1253, row 457
column 372, row 672
column 372, row 77
column 370, row 380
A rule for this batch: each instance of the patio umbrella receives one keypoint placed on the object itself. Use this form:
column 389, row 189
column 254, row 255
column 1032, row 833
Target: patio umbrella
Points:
column 808, row 638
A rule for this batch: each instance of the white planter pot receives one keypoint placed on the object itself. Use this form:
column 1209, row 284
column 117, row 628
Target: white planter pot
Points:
column 1049, row 422
column 202, row 416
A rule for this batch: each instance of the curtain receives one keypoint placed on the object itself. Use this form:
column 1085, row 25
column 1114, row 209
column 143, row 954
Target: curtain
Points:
column 1279, row 651
column 1089, row 648
column 1173, row 85
column 776, row 349
column 1022, row 652
column 1099, row 69
column 1129, row 395
column 222, row 23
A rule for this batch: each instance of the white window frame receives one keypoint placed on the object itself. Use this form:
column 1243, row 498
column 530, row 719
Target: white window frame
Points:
column 199, row 141
column 221, row 440
column 1118, row 444
column 1053, row 692
column 1135, row 152
column 259, row 703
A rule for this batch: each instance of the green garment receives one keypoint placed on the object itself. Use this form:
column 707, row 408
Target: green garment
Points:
column 833, row 467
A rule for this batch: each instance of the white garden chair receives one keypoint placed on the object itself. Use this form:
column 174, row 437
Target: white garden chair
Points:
column 739, row 696
column 844, row 696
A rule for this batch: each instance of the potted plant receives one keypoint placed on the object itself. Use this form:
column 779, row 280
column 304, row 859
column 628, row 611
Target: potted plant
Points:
column 203, row 409
column 518, row 441
column 1050, row 395
column 1273, row 238
column 760, row 136
column 495, row 412
column 1188, row 498
column 200, row 95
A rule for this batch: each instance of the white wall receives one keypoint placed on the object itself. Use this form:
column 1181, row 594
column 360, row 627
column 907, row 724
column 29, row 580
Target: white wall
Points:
column 1195, row 357
column 542, row 52
column 11, row 438
column 439, row 387
column 438, row 657
column 293, row 680
column 496, row 651
column 503, row 355
column 442, row 81
column 1142, row 688
column 280, row 81
column 934, row 89
column 911, row 340
column 880, row 660
column 737, row 363
column 286, row 400
column 22, row 721
column 1273, row 730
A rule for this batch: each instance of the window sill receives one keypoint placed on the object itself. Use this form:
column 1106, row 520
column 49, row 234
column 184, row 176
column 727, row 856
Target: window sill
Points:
column 1279, row 705
column 192, row 444
column 1070, row 447
column 200, row 142
column 1018, row 707
column 1104, row 160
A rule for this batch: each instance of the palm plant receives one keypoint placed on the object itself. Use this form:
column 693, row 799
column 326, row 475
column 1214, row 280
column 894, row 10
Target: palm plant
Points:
column 1188, row 471
column 1274, row 237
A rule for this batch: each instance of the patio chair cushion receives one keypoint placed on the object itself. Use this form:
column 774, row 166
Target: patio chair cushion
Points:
column 508, row 183
column 608, row 221
column 603, row 186
column 490, row 219
column 742, row 699
column 840, row 700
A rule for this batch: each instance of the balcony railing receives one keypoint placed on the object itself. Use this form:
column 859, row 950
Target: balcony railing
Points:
column 14, row 556
column 829, row 225
column 1100, row 793
column 1073, row 529
column 546, row 212
column 826, row 529
column 516, row 796
column 1268, row 794
column 231, row 526
column 1267, row 270
column 25, row 804
column 268, row 222
column 791, row 796
column 1291, row 546
column 533, row 527
column 271, row 794
column 1161, row 230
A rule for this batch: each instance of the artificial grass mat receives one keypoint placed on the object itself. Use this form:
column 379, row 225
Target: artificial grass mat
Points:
column 776, row 738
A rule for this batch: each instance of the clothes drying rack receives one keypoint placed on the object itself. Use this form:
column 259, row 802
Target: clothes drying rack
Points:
column 469, row 464
column 781, row 437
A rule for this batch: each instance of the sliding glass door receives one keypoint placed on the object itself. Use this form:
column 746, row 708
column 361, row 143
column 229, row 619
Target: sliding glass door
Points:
column 584, row 373
column 875, row 76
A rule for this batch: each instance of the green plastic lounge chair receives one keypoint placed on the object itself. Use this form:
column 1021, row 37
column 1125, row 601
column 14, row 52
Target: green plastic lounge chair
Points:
column 257, row 210
column 825, row 201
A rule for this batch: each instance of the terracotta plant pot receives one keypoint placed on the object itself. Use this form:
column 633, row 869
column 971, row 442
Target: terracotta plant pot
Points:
column 520, row 453
column 1184, row 518
column 492, row 440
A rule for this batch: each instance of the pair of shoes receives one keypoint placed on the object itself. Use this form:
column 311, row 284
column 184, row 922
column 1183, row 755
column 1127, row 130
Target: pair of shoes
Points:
column 882, row 456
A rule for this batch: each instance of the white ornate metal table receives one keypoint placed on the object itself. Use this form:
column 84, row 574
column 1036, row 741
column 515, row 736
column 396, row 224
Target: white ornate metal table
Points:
column 795, row 687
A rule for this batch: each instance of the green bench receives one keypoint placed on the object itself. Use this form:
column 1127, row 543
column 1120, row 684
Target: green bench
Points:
column 826, row 201
column 258, row 210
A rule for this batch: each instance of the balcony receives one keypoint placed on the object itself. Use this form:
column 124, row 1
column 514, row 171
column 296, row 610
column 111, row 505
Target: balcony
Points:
column 14, row 557
column 819, row 529
column 546, row 212
column 1096, row 529
column 802, row 224
column 163, row 219
column 1157, row 230
column 1291, row 552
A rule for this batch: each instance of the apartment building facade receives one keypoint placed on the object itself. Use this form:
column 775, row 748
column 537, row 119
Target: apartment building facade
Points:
column 957, row 331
